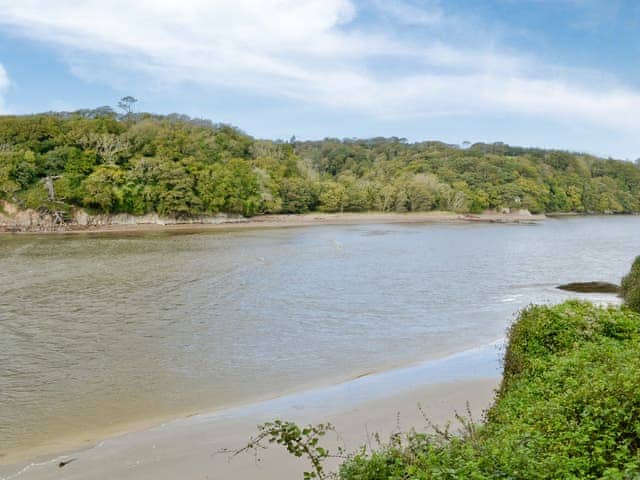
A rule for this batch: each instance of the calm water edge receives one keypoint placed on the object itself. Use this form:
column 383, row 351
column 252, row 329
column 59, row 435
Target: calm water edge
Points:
column 97, row 332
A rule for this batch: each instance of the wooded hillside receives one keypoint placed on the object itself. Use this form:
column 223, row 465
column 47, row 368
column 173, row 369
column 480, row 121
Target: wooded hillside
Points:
column 176, row 165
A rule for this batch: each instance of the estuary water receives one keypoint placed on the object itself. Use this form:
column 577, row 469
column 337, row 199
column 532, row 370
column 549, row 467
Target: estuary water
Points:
column 101, row 332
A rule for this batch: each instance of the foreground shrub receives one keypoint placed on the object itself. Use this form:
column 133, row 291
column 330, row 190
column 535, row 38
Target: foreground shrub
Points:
column 569, row 408
column 578, row 416
column 631, row 286
column 541, row 332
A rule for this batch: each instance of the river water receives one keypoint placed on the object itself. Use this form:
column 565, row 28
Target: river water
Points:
column 100, row 332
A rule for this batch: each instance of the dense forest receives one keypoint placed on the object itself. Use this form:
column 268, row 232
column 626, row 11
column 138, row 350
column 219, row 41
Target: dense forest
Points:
column 175, row 165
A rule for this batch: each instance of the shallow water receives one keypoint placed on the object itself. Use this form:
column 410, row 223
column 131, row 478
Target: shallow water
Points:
column 97, row 332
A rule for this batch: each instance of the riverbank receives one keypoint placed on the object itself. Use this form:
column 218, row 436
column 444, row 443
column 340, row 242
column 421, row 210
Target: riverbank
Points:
column 154, row 223
column 185, row 448
column 567, row 407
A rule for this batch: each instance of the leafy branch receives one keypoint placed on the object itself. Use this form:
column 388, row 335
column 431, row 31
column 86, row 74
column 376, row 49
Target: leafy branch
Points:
column 299, row 442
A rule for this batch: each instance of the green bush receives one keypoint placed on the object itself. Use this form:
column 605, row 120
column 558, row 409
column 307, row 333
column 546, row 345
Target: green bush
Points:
column 542, row 331
column 631, row 286
column 569, row 408
column 578, row 416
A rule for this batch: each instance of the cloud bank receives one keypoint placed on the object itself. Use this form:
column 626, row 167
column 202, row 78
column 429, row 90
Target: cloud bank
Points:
column 321, row 52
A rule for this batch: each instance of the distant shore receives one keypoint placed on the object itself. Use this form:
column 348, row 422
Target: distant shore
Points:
column 132, row 225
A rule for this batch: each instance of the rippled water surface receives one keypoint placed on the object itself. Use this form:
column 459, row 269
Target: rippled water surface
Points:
column 97, row 332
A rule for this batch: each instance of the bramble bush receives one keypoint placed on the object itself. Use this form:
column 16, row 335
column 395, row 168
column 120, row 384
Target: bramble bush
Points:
column 631, row 286
column 569, row 407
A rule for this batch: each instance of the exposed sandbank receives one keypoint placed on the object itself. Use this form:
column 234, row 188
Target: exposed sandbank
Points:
column 292, row 220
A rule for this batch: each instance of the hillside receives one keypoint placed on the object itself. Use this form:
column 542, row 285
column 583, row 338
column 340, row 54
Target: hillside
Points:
column 178, row 166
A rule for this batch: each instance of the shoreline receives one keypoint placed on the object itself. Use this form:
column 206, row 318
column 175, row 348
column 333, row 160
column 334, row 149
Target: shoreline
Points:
column 91, row 438
column 190, row 448
column 282, row 221
column 398, row 388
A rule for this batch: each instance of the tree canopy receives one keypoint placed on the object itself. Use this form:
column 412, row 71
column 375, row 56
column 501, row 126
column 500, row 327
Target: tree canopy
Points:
column 175, row 165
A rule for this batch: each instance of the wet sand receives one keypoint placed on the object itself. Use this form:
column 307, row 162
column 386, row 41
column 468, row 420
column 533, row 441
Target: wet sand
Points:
column 295, row 220
column 186, row 448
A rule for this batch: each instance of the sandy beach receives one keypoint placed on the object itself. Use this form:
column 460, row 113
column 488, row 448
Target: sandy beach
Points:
column 187, row 449
column 380, row 403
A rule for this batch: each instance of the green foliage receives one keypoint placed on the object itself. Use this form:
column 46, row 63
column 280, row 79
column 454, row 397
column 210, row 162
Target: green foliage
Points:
column 568, row 408
column 298, row 441
column 298, row 195
column 334, row 197
column 631, row 286
column 575, row 415
column 542, row 331
column 174, row 165
column 102, row 188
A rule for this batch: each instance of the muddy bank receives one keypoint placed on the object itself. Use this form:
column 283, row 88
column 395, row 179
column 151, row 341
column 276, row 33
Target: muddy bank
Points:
column 15, row 220
column 591, row 287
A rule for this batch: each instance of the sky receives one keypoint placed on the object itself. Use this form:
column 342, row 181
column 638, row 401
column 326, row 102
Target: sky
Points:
column 546, row 73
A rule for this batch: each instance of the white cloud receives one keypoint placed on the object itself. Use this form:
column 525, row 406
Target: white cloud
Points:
column 4, row 85
column 317, row 51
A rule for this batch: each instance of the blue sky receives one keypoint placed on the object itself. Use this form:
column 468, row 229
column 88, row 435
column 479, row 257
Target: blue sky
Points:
column 548, row 73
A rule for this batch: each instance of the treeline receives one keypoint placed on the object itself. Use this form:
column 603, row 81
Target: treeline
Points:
column 175, row 165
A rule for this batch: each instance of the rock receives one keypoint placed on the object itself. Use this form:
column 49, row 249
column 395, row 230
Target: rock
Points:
column 591, row 287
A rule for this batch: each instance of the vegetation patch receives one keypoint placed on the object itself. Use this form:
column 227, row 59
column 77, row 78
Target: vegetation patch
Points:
column 631, row 286
column 569, row 407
